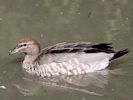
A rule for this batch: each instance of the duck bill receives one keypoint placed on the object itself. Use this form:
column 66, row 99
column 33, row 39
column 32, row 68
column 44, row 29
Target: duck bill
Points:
column 13, row 51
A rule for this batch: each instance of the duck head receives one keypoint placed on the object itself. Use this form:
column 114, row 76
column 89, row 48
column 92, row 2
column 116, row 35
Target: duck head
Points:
column 28, row 46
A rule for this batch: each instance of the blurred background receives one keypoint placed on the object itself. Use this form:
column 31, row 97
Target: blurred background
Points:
column 53, row 21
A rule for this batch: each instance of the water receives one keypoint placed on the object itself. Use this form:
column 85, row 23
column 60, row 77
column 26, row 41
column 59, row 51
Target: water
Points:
column 53, row 21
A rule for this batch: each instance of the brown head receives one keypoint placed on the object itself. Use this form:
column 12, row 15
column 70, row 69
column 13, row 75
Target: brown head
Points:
column 27, row 45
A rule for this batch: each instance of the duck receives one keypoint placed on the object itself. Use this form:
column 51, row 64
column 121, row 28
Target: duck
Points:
column 65, row 58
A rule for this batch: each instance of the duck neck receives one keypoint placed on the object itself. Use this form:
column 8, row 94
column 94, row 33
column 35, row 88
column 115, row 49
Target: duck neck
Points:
column 30, row 58
column 32, row 55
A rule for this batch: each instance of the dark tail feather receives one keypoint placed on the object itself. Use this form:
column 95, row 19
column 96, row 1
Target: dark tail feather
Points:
column 119, row 54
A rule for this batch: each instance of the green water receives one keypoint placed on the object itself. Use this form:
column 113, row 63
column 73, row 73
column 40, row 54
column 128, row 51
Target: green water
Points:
column 53, row 21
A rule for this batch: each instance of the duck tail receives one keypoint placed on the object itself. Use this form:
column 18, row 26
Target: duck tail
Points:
column 119, row 54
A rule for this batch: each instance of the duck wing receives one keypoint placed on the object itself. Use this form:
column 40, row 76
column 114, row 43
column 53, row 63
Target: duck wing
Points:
column 86, row 47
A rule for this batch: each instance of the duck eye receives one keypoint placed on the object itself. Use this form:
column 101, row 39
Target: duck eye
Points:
column 24, row 44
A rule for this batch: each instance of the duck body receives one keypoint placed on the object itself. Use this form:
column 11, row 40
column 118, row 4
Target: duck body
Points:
column 65, row 58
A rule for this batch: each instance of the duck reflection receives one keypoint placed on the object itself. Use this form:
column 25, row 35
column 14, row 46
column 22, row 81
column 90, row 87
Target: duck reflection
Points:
column 31, row 85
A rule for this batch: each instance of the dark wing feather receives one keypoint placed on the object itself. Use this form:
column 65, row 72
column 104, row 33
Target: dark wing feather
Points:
column 86, row 47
